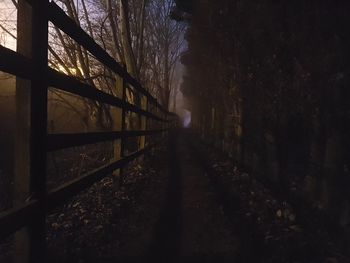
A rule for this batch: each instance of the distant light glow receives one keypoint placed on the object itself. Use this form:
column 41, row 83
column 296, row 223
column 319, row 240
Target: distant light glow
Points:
column 187, row 119
column 72, row 70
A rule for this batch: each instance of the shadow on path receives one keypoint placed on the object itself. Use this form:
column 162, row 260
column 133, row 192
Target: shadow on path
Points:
column 168, row 230
column 192, row 226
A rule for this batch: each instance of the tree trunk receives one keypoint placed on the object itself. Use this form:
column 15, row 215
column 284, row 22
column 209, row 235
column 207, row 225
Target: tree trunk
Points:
column 126, row 39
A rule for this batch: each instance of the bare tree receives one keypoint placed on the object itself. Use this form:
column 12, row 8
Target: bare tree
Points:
column 164, row 44
column 137, row 33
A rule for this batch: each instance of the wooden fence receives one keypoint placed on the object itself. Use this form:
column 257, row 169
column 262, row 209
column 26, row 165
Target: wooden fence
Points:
column 33, row 66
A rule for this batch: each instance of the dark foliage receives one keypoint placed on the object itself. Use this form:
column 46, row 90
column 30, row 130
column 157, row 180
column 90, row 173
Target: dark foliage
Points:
column 267, row 81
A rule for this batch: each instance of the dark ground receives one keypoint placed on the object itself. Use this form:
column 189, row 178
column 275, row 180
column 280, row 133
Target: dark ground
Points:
column 187, row 203
column 167, row 212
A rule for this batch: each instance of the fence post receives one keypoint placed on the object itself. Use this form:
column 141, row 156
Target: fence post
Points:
column 163, row 124
column 151, row 125
column 123, row 128
column 39, row 127
column 118, row 125
column 22, row 140
column 144, row 103
column 31, row 131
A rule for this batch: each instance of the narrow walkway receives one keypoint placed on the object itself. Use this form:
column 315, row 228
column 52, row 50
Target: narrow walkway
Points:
column 192, row 226
column 178, row 218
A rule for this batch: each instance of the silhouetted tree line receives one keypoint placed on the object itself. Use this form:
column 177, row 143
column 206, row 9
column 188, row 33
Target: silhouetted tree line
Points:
column 268, row 82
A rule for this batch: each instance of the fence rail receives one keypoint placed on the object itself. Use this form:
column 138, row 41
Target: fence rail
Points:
column 32, row 213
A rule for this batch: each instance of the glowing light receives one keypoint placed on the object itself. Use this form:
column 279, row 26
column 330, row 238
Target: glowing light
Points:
column 187, row 119
column 74, row 71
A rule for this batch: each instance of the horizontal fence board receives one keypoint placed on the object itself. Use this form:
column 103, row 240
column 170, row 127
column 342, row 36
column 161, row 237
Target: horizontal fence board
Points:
column 72, row 85
column 63, row 193
column 18, row 217
column 14, row 63
column 62, row 141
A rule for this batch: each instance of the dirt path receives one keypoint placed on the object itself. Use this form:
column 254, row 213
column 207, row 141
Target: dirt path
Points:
column 192, row 226
column 207, row 233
